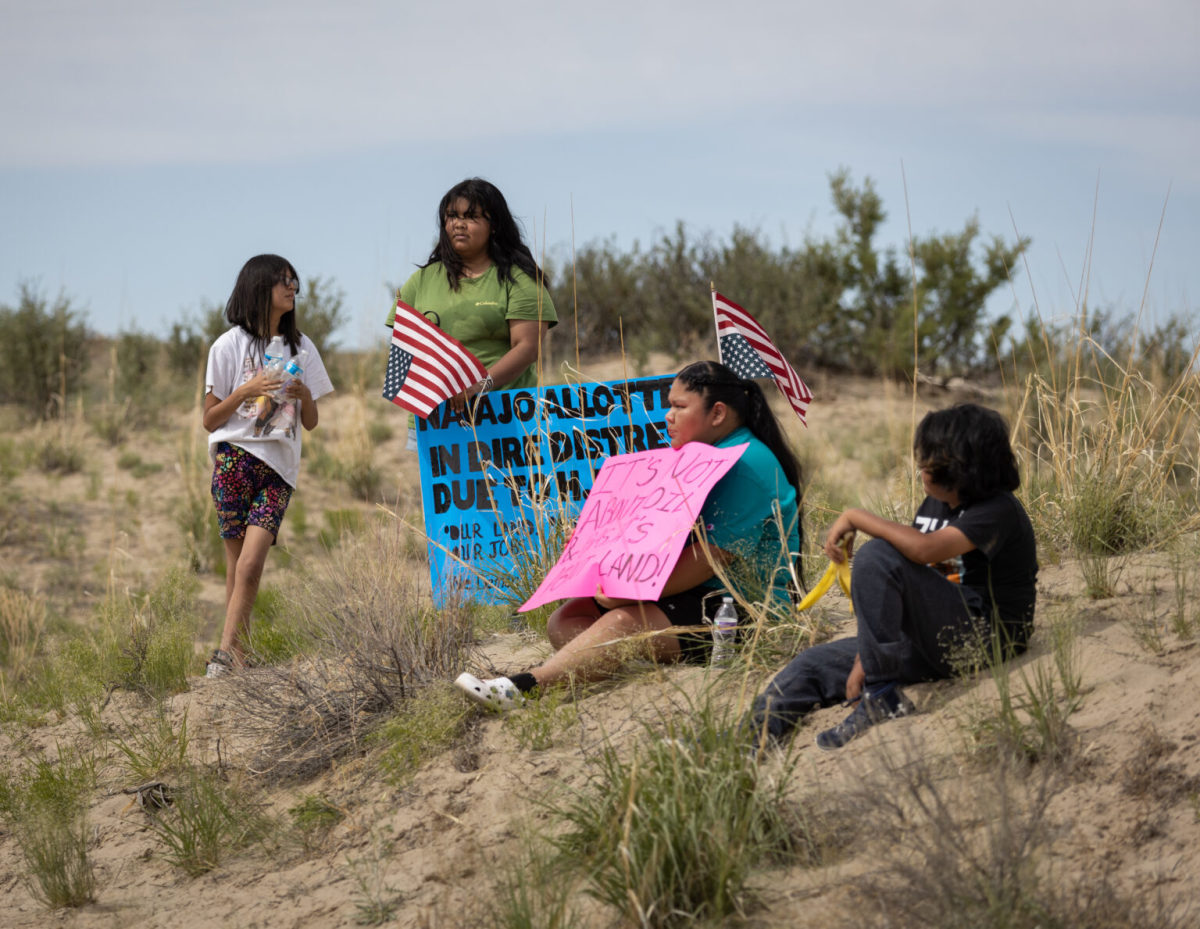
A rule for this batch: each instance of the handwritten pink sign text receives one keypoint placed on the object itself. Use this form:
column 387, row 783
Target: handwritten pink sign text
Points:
column 634, row 523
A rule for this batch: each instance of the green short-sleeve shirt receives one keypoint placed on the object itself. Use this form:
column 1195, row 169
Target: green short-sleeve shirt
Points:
column 477, row 314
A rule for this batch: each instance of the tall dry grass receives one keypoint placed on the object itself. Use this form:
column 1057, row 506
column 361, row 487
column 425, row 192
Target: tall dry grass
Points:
column 22, row 624
column 1111, row 455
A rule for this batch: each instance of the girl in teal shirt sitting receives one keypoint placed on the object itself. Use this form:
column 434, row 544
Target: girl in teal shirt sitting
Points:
column 749, row 526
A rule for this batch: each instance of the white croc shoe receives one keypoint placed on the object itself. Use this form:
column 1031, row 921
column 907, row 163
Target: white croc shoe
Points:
column 498, row 694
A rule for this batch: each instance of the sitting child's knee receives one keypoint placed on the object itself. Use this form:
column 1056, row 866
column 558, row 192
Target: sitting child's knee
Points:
column 875, row 554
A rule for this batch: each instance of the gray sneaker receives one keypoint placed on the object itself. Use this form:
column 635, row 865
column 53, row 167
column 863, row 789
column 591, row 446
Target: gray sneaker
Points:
column 220, row 663
column 887, row 701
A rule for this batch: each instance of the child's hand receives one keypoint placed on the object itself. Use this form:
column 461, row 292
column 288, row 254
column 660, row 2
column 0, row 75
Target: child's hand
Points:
column 608, row 603
column 855, row 680
column 839, row 541
column 297, row 390
column 264, row 382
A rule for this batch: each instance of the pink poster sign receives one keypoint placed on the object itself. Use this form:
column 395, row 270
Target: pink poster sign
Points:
column 634, row 523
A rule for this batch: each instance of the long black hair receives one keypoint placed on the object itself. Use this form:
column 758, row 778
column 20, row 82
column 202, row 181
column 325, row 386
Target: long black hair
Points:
column 716, row 383
column 249, row 305
column 506, row 248
column 965, row 448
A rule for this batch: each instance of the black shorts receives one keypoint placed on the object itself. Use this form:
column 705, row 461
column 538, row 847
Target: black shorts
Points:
column 695, row 607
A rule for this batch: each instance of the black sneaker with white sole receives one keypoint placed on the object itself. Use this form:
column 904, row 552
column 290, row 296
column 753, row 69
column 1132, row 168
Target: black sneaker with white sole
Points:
column 883, row 702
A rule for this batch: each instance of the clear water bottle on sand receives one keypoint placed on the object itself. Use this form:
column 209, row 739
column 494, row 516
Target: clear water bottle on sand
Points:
column 724, row 632
column 292, row 370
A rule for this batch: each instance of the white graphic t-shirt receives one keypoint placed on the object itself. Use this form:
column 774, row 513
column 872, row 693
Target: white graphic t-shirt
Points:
column 267, row 428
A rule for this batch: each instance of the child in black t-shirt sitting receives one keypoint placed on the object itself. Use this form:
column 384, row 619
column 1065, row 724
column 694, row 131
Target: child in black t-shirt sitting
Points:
column 964, row 571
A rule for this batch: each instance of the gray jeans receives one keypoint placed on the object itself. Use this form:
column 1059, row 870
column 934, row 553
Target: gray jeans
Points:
column 911, row 620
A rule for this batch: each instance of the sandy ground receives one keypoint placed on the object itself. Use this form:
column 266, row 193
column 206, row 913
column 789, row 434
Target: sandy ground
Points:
column 1126, row 804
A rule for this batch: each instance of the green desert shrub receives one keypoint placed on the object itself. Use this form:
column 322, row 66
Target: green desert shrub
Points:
column 12, row 458
column 1028, row 718
column 339, row 524
column 534, row 890
column 208, row 820
column 1112, row 458
column 543, row 719
column 43, row 352
column 59, row 452
column 150, row 638
column 423, row 726
column 153, row 748
column 132, row 462
column 141, row 642
column 376, row 899
column 671, row 832
column 313, row 818
column 45, row 806
column 276, row 634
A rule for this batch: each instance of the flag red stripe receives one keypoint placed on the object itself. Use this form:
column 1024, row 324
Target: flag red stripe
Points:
column 422, row 410
column 423, row 335
column 424, row 385
column 424, row 343
column 425, row 332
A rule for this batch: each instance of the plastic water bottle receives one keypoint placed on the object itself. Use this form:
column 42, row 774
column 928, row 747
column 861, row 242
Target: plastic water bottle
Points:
column 273, row 356
column 724, row 632
column 292, row 370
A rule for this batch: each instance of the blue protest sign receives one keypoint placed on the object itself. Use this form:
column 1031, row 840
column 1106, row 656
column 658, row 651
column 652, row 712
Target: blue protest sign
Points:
column 497, row 491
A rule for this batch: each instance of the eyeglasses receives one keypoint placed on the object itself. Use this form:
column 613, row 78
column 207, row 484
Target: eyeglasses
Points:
column 289, row 282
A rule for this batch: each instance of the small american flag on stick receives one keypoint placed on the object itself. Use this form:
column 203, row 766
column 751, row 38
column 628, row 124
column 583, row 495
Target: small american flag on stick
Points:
column 425, row 366
column 747, row 350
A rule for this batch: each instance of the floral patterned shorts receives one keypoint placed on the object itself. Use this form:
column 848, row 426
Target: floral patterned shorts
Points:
column 247, row 492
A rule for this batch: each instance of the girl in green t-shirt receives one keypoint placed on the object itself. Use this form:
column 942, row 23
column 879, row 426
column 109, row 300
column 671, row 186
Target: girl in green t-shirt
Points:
column 482, row 286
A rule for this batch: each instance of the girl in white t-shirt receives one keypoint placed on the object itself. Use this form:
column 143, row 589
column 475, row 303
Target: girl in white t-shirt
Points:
column 254, row 439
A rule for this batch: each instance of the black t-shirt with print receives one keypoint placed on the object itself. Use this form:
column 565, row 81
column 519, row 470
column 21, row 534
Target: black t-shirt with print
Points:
column 1002, row 566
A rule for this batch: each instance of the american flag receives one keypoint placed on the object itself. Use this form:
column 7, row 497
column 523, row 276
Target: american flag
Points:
column 425, row 366
column 748, row 351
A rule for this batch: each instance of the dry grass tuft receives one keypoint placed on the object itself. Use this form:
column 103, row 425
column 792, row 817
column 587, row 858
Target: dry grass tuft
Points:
column 1113, row 458
column 22, row 622
column 375, row 641
column 961, row 851
column 1150, row 774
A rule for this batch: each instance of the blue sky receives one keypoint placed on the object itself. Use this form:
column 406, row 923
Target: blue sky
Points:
column 149, row 149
